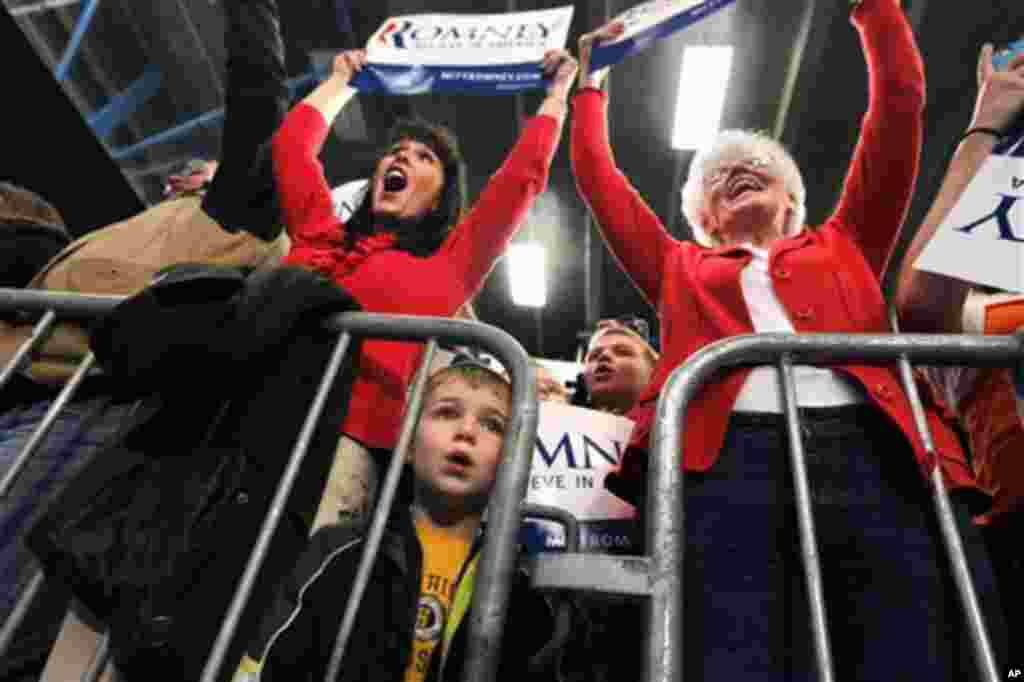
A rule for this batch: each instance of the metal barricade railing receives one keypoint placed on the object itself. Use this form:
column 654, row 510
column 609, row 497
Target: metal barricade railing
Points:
column 659, row 575
column 490, row 597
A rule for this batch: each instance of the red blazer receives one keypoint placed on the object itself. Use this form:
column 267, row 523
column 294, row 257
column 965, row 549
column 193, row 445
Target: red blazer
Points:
column 386, row 280
column 827, row 278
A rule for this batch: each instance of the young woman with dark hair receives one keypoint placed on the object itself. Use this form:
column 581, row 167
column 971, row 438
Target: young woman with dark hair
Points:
column 410, row 247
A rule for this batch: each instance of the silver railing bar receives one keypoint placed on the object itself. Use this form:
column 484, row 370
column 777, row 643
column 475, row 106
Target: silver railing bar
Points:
column 273, row 517
column 66, row 305
column 385, row 501
column 664, row 655
column 100, row 659
column 19, row 612
column 499, row 552
column 805, row 519
column 981, row 645
column 37, row 437
column 40, row 333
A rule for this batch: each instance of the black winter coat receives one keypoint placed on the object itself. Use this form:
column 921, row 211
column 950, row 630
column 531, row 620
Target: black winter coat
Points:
column 155, row 534
column 297, row 636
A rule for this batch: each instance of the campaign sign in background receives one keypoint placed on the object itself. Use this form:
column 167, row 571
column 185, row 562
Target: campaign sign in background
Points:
column 982, row 239
column 575, row 450
column 482, row 54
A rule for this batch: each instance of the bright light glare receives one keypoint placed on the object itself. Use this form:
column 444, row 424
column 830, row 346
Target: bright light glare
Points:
column 703, row 78
column 526, row 275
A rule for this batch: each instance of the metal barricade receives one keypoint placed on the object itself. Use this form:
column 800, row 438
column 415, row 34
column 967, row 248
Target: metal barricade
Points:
column 659, row 575
column 490, row 597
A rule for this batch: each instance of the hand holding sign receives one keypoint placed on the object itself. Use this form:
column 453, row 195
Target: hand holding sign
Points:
column 648, row 22
column 560, row 67
column 1000, row 93
column 609, row 31
column 347, row 64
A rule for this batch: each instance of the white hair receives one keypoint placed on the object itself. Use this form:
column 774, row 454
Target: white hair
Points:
column 732, row 146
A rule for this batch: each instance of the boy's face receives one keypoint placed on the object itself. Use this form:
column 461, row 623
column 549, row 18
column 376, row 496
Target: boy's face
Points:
column 458, row 443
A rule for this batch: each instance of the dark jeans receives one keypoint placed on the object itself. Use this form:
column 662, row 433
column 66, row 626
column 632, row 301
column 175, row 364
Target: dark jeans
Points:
column 1004, row 538
column 81, row 429
column 892, row 607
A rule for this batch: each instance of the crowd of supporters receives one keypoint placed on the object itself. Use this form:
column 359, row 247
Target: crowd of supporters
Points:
column 141, row 505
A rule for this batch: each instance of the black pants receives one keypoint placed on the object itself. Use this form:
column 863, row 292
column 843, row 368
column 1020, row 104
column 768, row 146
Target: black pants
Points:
column 892, row 607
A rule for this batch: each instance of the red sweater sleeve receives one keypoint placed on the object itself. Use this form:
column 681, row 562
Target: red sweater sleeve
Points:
column 305, row 196
column 633, row 232
column 880, row 182
column 484, row 233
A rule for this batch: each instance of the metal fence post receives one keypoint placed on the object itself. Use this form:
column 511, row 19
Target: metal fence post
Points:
column 380, row 515
column 805, row 519
column 44, row 427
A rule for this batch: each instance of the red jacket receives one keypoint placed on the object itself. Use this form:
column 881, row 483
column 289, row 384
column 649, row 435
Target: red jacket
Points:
column 386, row 280
column 827, row 278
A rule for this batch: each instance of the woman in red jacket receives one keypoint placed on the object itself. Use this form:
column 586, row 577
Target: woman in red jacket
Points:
column 408, row 248
column 758, row 268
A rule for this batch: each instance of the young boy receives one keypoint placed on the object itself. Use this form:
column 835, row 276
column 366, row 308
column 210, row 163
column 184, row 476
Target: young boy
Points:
column 412, row 622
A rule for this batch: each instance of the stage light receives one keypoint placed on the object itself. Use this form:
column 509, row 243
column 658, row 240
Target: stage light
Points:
column 526, row 274
column 703, row 79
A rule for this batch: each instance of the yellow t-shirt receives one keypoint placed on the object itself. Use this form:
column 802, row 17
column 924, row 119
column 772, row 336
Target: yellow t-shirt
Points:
column 248, row 670
column 443, row 557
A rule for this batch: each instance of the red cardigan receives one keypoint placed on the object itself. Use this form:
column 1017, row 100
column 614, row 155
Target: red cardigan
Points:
column 826, row 278
column 386, row 280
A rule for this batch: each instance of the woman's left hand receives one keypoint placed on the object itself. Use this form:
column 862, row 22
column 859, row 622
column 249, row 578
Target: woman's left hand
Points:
column 561, row 67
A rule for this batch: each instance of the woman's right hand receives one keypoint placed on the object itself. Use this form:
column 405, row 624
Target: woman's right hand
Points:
column 609, row 31
column 347, row 64
column 1000, row 93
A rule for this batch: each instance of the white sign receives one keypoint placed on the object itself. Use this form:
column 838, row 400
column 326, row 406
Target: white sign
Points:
column 649, row 22
column 470, row 53
column 982, row 238
column 347, row 197
column 575, row 450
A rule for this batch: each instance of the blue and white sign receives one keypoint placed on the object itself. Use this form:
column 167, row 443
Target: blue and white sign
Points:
column 483, row 54
column 982, row 238
column 575, row 450
column 649, row 22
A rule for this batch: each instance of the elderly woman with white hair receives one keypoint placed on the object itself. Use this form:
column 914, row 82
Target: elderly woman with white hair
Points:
column 758, row 268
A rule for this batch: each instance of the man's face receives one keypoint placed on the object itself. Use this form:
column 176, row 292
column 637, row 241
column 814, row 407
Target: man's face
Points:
column 458, row 443
column 616, row 370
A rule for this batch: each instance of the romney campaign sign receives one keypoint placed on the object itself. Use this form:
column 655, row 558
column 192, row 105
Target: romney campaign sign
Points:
column 649, row 22
column 482, row 54
column 982, row 239
column 575, row 450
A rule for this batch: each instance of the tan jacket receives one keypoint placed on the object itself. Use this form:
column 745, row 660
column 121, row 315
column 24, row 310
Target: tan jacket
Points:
column 121, row 259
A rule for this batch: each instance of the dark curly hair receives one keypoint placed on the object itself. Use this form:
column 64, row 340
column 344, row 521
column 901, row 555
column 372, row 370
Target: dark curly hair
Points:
column 422, row 237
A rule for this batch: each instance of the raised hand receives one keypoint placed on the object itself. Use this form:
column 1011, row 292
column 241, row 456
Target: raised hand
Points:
column 1000, row 93
column 347, row 64
column 609, row 31
column 561, row 67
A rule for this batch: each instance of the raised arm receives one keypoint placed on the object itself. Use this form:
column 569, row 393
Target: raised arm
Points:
column 880, row 182
column 484, row 233
column 243, row 194
column 633, row 232
column 929, row 302
column 305, row 196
